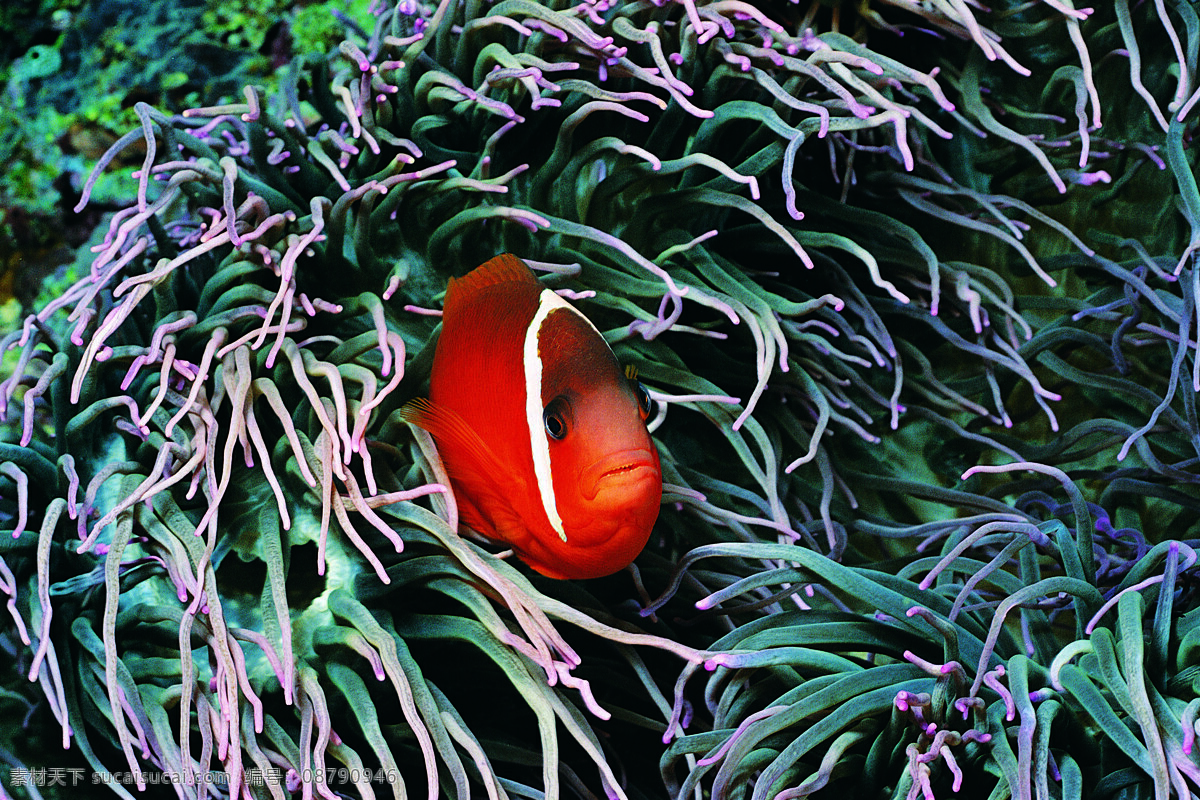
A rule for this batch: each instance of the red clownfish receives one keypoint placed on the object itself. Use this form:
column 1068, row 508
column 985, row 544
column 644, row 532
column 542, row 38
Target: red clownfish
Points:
column 543, row 435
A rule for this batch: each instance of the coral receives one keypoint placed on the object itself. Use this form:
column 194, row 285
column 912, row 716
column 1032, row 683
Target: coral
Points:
column 911, row 285
column 72, row 73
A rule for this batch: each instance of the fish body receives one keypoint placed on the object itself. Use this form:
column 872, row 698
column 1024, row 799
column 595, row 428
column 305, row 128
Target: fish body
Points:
column 542, row 433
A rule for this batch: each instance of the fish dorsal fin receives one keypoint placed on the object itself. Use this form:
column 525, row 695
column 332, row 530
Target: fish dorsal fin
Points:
column 471, row 462
column 505, row 268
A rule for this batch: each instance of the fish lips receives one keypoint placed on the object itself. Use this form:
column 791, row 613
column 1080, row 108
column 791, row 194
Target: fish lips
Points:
column 624, row 471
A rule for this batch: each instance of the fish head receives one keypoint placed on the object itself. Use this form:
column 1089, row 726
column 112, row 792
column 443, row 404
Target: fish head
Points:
column 607, row 476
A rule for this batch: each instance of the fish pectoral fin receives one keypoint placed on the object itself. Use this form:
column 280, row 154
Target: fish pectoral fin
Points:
column 469, row 460
column 454, row 436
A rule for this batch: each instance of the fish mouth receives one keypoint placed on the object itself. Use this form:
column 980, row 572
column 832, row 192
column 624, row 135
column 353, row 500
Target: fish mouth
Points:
column 623, row 468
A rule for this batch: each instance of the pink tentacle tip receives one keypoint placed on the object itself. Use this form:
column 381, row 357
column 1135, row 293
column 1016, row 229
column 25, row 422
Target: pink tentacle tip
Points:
column 719, row 660
column 965, row 704
column 936, row 670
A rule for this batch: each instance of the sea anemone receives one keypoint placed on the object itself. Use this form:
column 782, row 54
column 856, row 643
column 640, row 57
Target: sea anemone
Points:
column 918, row 331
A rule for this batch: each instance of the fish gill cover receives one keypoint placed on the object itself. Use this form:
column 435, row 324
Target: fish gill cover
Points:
column 913, row 289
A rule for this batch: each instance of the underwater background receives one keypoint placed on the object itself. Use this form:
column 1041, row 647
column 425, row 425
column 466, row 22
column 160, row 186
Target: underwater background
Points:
column 912, row 286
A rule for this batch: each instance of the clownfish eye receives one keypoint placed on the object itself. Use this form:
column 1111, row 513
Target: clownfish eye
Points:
column 640, row 391
column 554, row 419
column 643, row 398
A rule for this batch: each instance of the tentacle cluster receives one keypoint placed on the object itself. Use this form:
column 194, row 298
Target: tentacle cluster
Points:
column 936, row 520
